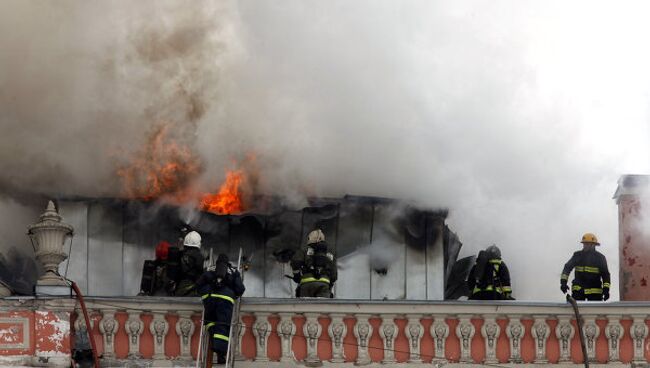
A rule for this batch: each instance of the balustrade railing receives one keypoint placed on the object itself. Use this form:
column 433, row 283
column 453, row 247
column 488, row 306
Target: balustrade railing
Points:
column 362, row 332
column 288, row 332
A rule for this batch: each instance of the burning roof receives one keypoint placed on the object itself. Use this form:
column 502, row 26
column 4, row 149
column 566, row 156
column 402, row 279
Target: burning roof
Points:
column 385, row 248
column 165, row 169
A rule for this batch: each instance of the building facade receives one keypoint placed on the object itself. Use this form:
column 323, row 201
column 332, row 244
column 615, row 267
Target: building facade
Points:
column 400, row 321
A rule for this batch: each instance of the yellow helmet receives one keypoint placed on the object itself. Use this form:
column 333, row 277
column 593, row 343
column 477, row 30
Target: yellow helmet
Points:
column 589, row 238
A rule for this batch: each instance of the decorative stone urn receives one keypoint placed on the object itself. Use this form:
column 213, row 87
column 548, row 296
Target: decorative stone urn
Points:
column 48, row 238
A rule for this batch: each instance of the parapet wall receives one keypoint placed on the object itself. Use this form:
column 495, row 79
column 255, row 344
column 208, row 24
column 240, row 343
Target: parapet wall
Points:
column 159, row 332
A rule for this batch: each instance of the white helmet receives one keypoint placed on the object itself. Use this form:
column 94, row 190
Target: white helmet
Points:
column 315, row 236
column 192, row 239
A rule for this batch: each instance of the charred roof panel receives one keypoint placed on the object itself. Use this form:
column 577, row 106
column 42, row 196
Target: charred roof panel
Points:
column 385, row 248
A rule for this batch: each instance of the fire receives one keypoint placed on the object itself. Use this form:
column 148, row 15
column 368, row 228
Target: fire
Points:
column 165, row 169
column 228, row 200
column 162, row 168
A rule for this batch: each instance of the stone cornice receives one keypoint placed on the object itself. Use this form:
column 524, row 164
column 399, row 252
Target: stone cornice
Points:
column 477, row 308
column 150, row 304
column 31, row 303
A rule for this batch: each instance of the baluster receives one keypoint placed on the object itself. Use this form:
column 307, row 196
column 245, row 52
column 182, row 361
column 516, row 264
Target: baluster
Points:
column 540, row 332
column 108, row 327
column 80, row 323
column 362, row 331
column 337, row 331
column 490, row 332
column 261, row 330
column 591, row 332
column 414, row 332
column 134, row 328
column 388, row 333
column 159, row 328
column 239, row 336
column 81, row 331
column 439, row 332
column 564, row 332
column 312, row 331
column 286, row 331
column 639, row 331
column 515, row 332
column 185, row 329
column 614, row 333
column 465, row 331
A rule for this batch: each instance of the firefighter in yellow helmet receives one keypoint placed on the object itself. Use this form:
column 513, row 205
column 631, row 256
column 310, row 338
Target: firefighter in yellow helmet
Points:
column 591, row 277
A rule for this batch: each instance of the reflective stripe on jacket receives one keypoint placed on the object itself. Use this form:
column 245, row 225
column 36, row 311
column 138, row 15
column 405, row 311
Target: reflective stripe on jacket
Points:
column 590, row 271
column 220, row 296
column 500, row 275
column 313, row 279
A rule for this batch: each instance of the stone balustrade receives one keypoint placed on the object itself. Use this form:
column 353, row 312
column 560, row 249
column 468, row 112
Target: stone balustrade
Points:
column 349, row 333
column 160, row 332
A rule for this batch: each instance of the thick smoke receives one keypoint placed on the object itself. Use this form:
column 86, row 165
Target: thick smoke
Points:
column 517, row 116
column 504, row 112
column 85, row 84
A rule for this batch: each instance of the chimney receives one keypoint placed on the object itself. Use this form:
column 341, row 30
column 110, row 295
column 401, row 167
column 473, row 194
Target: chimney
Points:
column 634, row 237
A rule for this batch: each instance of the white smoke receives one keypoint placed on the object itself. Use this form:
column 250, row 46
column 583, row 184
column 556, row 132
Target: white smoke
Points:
column 518, row 116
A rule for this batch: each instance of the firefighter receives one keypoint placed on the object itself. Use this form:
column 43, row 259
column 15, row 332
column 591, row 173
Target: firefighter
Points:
column 219, row 287
column 489, row 278
column 190, row 265
column 314, row 268
column 591, row 276
column 154, row 273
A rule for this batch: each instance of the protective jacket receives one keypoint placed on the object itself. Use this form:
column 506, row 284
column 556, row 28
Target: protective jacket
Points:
column 314, row 269
column 591, row 276
column 191, row 268
column 218, row 290
column 489, row 279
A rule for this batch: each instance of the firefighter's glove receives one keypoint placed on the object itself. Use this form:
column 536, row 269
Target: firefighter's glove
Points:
column 211, row 268
column 605, row 294
column 564, row 287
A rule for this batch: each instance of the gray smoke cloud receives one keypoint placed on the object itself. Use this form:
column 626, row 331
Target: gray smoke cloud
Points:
column 518, row 116
column 84, row 84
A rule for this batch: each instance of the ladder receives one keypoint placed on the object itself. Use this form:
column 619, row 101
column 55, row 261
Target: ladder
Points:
column 233, row 336
column 205, row 354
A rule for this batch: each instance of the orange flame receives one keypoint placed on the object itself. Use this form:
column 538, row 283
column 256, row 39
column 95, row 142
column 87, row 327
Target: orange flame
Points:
column 165, row 169
column 162, row 168
column 229, row 198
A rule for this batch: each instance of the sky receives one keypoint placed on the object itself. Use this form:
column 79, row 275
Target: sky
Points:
column 519, row 116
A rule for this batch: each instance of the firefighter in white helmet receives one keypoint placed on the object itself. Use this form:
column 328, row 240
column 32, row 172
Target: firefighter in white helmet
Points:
column 591, row 277
column 191, row 265
column 314, row 268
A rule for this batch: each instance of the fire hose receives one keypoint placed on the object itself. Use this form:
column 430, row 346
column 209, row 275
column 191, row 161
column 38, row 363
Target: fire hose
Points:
column 574, row 304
